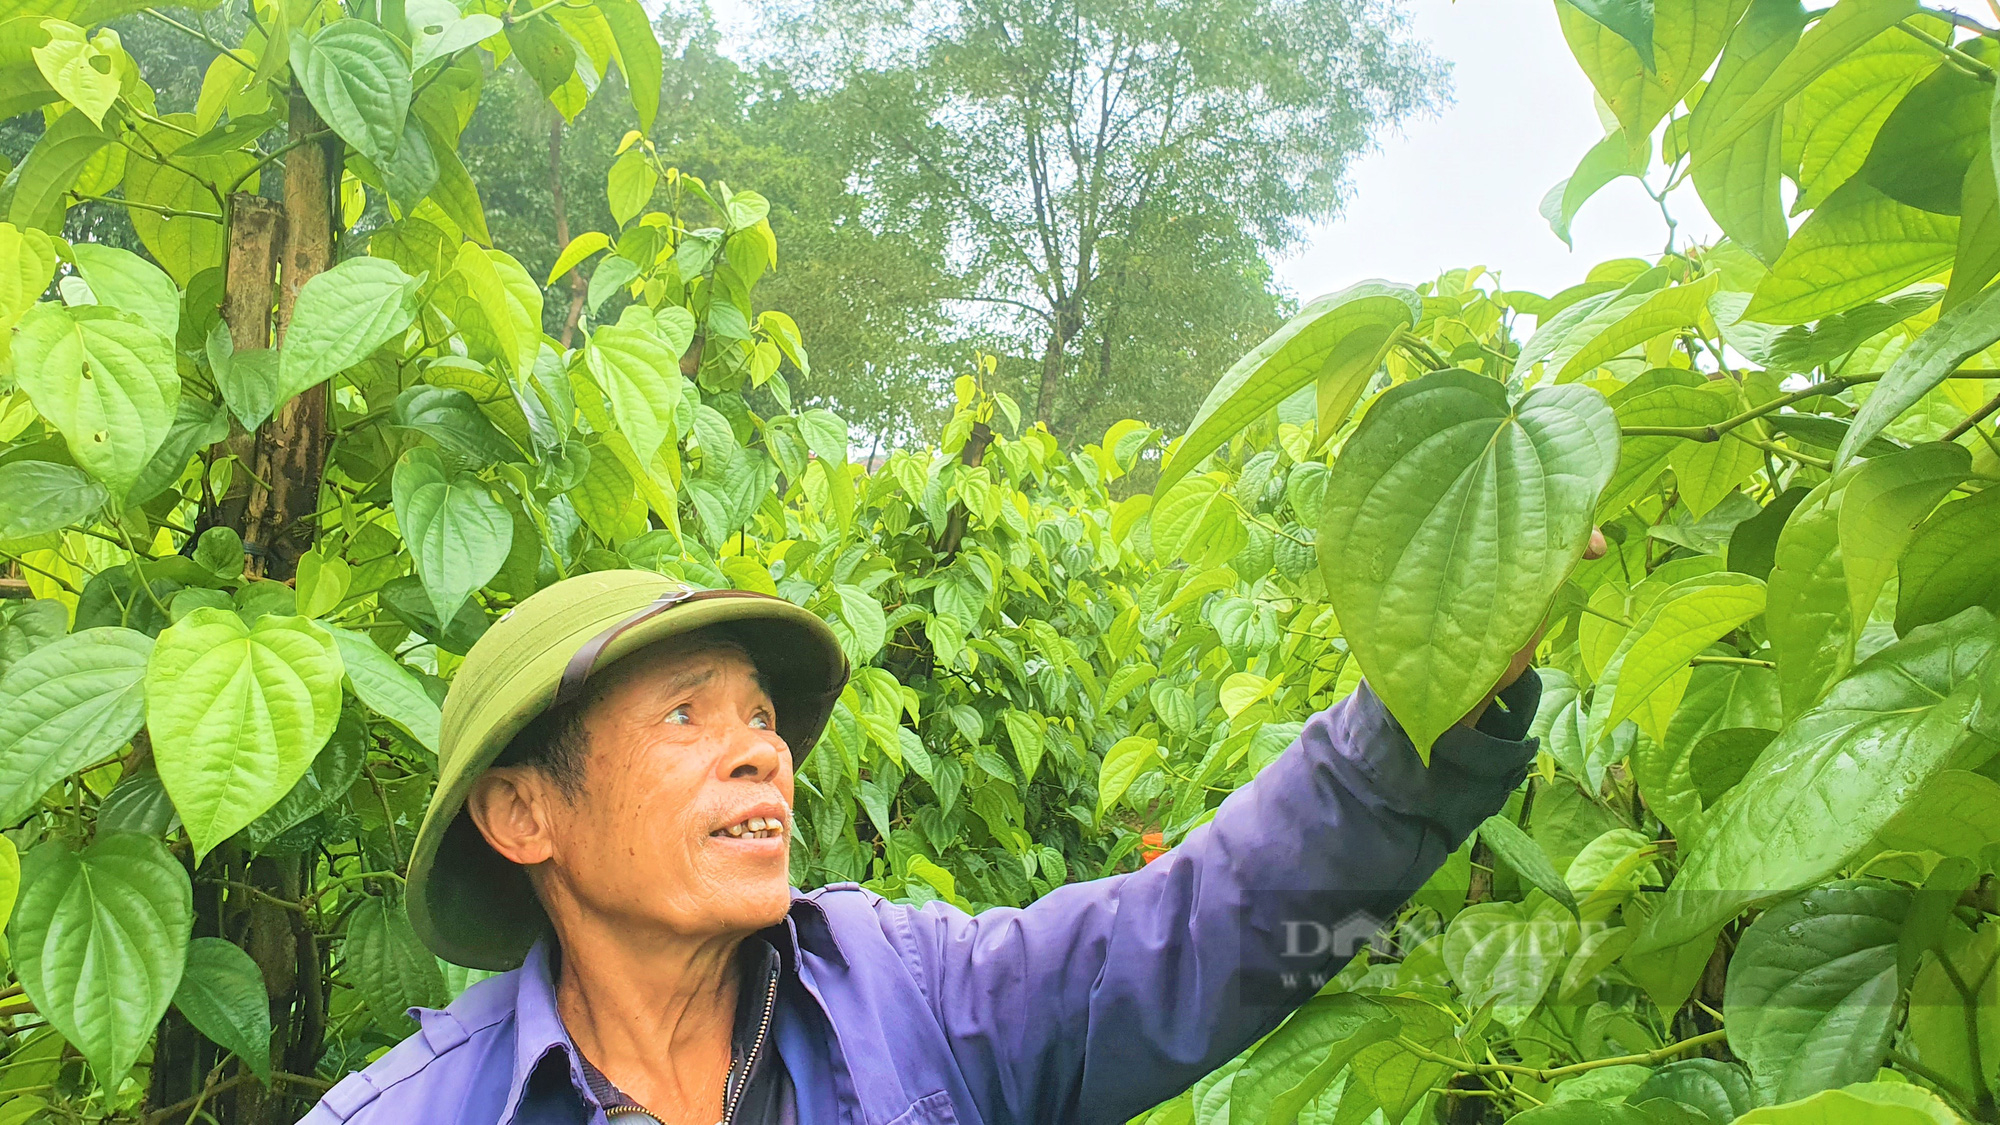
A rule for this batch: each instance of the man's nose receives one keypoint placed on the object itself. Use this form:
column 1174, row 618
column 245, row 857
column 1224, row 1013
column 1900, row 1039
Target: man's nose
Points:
column 754, row 753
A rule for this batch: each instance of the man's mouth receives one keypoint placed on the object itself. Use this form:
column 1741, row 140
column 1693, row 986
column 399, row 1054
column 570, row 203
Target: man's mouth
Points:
column 753, row 828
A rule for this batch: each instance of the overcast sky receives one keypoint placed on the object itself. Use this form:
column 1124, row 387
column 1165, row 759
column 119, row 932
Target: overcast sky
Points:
column 1463, row 188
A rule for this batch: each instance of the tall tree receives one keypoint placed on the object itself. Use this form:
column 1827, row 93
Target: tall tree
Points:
column 1112, row 172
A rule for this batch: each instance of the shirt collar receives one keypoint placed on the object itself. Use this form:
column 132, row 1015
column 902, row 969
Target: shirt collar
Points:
column 538, row 1027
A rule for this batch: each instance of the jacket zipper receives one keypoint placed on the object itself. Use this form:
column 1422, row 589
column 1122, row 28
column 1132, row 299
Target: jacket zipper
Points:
column 756, row 1048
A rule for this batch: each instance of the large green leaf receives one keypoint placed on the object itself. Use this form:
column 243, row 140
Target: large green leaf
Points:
column 1296, row 1062
column 343, row 315
column 35, row 188
column 1337, row 339
column 1837, row 32
column 1921, row 154
column 387, row 688
column 66, row 705
column 1949, row 1032
column 222, row 994
column 1879, row 513
column 129, row 283
column 642, row 380
column 1663, row 311
column 1528, row 859
column 106, row 379
column 1717, row 1090
column 42, row 496
column 334, row 771
column 453, row 419
column 1681, row 623
column 1834, row 120
column 1738, row 182
column 178, row 216
column 1450, row 520
column 1831, row 780
column 639, row 56
column 237, row 713
column 27, row 263
column 384, row 960
column 358, row 78
column 1394, row 1077
column 1869, row 1103
column 1507, row 954
column 1956, row 813
column 1719, row 697
column 1958, row 335
column 99, row 940
column 1641, row 87
column 1855, row 247
column 452, row 526
column 1123, row 763
column 1807, row 613
column 1811, row 995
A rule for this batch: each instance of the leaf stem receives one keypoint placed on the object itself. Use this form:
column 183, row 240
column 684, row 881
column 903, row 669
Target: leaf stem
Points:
column 203, row 36
column 1945, row 1085
column 1973, row 419
column 1541, row 1074
column 274, row 154
column 1745, row 661
column 55, row 578
column 168, row 212
column 1953, row 57
column 1785, row 451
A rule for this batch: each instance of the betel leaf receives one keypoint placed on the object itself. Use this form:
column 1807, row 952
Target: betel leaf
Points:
column 222, row 994
column 453, row 419
column 577, row 252
column 1607, row 160
column 1880, row 510
column 1662, row 311
column 125, row 281
column 455, row 530
column 1855, row 247
column 1837, row 32
column 1956, row 813
column 334, row 771
column 1123, row 763
column 642, row 380
column 1717, row 1090
column 237, row 713
column 387, row 688
column 1396, row 1078
column 106, row 379
column 1806, row 600
column 43, row 496
column 1450, row 520
column 1520, row 852
column 27, row 263
column 1337, row 339
column 172, row 206
column 1738, row 182
column 1934, row 134
column 341, row 316
column 1507, row 954
column 67, row 705
column 1297, row 1061
column 1641, row 86
column 50, row 169
column 99, row 940
column 1958, row 335
column 1811, row 995
column 1682, row 622
column 1631, row 19
column 386, row 962
column 1834, row 119
column 358, row 77
column 1876, row 1103
column 1831, row 779
column 639, row 56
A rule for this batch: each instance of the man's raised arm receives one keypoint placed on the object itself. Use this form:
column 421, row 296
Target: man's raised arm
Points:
column 1106, row 997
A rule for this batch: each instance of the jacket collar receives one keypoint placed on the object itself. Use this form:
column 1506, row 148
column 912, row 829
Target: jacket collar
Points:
column 538, row 1027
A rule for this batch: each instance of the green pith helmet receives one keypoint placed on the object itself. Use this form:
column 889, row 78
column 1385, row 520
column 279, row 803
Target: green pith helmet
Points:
column 470, row 905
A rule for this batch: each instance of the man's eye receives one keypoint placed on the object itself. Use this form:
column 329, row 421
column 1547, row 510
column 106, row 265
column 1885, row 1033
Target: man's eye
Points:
column 761, row 720
column 680, row 715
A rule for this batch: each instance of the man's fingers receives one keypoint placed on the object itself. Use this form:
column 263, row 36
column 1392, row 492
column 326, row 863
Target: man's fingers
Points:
column 1597, row 546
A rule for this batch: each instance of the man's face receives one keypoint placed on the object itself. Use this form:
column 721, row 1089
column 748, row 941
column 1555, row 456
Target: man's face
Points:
column 683, row 820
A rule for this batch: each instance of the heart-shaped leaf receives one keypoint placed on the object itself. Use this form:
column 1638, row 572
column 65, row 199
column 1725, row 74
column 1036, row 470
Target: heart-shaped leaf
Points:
column 642, row 379
column 384, row 959
column 358, row 78
column 454, row 528
column 341, row 316
column 106, row 379
column 67, row 705
column 99, row 940
column 222, row 994
column 1338, row 339
column 237, row 713
column 42, row 496
column 1450, row 520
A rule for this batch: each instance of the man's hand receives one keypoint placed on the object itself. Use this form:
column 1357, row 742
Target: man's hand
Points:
column 1522, row 659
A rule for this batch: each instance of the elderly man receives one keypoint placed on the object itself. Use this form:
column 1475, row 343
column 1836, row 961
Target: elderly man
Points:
column 612, row 826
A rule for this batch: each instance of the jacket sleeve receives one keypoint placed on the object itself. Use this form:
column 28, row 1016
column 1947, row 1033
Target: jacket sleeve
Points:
column 1107, row 997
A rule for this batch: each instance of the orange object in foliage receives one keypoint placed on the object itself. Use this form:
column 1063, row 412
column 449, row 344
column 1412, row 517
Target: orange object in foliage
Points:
column 1152, row 846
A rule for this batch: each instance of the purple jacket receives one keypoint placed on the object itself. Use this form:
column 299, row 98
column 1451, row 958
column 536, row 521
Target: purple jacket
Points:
column 1089, row 1006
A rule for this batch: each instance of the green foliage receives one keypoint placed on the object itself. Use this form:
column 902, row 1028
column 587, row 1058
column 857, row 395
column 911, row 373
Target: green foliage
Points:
column 1762, row 822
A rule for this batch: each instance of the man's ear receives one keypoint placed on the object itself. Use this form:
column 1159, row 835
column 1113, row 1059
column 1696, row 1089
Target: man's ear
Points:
column 511, row 806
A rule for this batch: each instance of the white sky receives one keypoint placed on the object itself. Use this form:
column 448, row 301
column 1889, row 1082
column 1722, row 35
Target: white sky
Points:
column 1463, row 188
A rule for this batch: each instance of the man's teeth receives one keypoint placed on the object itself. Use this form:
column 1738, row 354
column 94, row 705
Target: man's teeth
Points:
column 756, row 828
